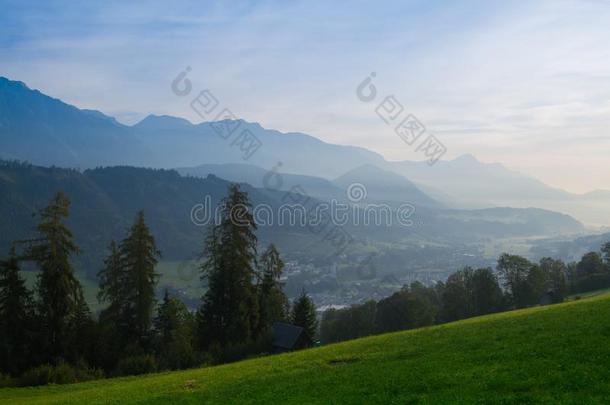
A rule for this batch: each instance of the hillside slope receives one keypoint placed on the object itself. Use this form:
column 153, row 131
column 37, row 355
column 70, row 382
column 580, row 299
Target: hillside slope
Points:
column 258, row 177
column 106, row 200
column 545, row 354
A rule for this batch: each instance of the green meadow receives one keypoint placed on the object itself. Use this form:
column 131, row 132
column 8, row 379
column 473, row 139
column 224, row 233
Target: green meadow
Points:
column 550, row 354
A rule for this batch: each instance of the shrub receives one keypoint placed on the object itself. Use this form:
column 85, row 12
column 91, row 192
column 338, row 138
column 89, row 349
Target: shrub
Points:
column 178, row 354
column 6, row 381
column 40, row 375
column 62, row 373
column 135, row 365
column 251, row 349
column 591, row 282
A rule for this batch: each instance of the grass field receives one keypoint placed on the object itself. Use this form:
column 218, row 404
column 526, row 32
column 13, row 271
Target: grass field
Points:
column 550, row 354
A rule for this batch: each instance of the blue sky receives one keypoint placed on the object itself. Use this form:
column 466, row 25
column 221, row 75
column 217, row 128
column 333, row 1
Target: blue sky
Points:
column 524, row 83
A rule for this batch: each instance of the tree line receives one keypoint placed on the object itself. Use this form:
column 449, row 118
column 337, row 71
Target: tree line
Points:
column 49, row 335
column 516, row 283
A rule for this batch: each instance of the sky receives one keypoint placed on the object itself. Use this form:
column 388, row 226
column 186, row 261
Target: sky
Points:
column 524, row 83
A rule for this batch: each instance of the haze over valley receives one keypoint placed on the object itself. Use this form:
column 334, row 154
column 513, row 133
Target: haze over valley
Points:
column 465, row 212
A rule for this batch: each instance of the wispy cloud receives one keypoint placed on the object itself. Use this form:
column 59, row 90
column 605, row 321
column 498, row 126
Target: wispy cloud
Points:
column 519, row 82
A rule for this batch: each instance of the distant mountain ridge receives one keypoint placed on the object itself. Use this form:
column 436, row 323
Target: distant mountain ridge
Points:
column 46, row 131
column 380, row 185
column 106, row 200
column 466, row 182
column 383, row 185
column 43, row 130
column 268, row 179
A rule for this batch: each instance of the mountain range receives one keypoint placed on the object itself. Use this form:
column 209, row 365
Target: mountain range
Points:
column 46, row 131
column 104, row 202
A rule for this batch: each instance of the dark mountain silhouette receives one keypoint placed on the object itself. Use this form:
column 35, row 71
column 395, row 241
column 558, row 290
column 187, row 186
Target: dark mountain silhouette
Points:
column 44, row 130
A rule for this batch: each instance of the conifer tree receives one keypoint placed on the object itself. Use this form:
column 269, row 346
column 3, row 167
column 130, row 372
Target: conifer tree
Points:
column 15, row 316
column 112, row 289
column 273, row 303
column 138, row 258
column 229, row 314
column 59, row 291
column 304, row 315
column 83, row 334
column 173, row 327
column 167, row 320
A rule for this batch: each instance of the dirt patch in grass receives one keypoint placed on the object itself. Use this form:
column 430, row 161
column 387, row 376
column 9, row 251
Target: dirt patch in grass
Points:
column 342, row 361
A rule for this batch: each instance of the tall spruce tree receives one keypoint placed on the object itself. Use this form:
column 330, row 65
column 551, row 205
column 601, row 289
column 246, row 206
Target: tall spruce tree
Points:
column 59, row 291
column 83, row 334
column 112, row 324
column 138, row 258
column 111, row 286
column 304, row 315
column 273, row 304
column 228, row 313
column 15, row 317
column 166, row 321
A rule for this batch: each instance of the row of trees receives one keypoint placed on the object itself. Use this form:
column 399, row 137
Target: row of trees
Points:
column 36, row 328
column 516, row 283
column 48, row 334
column 244, row 296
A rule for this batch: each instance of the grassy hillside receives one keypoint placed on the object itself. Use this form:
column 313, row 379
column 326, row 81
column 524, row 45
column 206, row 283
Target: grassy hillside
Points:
column 556, row 353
